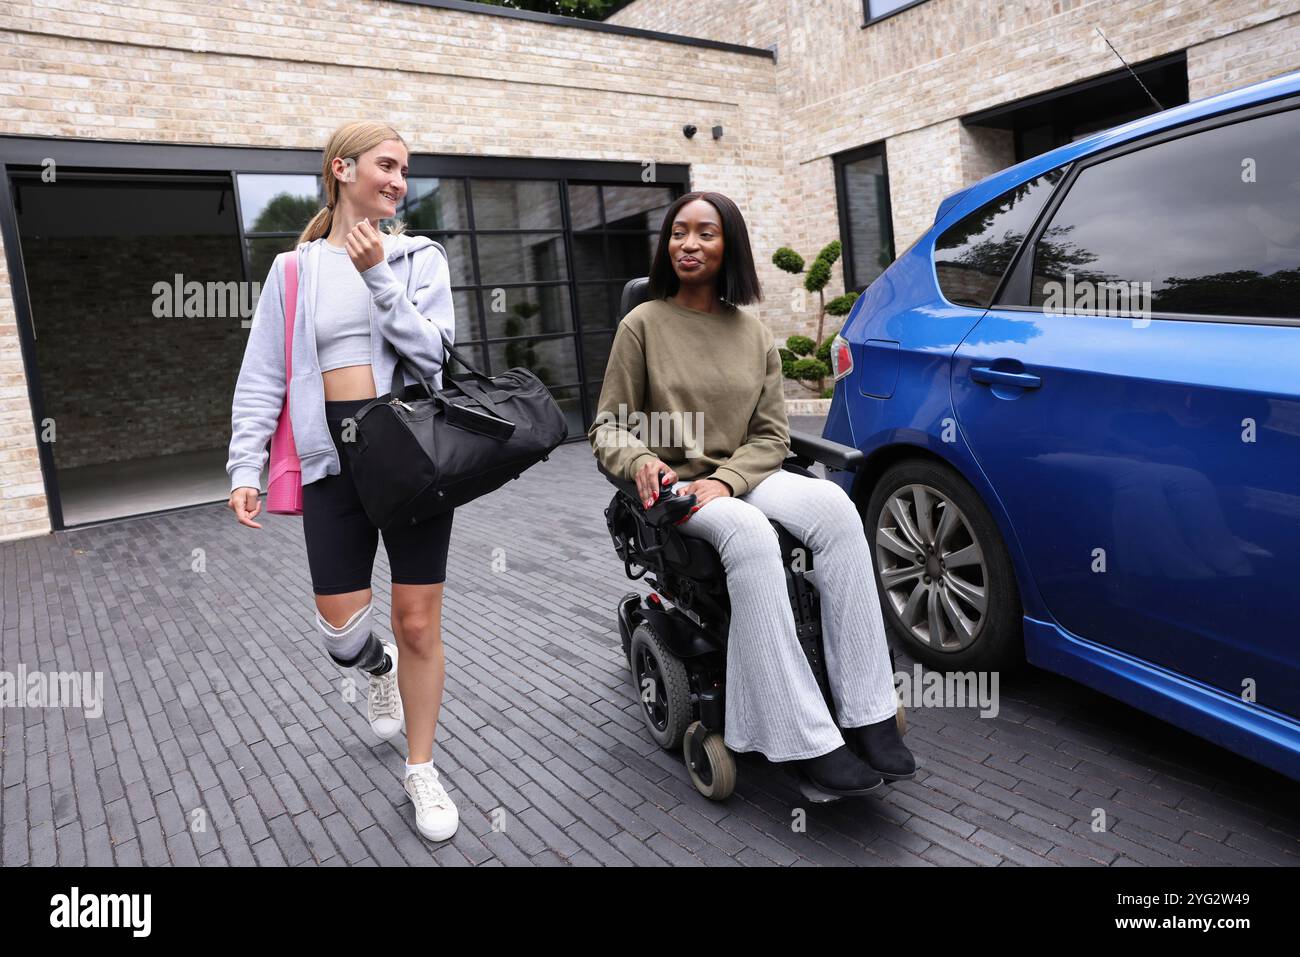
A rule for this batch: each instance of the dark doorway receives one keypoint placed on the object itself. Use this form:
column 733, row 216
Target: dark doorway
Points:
column 135, row 392
column 1047, row 120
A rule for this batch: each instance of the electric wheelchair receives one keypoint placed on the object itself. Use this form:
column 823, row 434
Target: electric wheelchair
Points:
column 675, row 639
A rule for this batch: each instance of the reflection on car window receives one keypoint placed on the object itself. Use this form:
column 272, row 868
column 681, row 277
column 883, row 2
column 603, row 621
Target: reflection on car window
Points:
column 972, row 255
column 1211, row 221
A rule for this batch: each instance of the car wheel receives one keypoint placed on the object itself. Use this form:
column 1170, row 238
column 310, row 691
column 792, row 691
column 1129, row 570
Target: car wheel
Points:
column 947, row 588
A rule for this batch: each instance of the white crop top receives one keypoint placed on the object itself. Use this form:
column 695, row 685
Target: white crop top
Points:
column 342, row 311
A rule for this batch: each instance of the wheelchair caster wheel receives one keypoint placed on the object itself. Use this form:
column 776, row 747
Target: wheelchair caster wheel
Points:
column 712, row 767
column 662, row 687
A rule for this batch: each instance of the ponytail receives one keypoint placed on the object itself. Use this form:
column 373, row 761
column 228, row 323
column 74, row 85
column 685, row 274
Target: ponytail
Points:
column 318, row 226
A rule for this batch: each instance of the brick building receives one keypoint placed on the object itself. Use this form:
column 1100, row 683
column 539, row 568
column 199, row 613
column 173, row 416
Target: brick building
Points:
column 141, row 143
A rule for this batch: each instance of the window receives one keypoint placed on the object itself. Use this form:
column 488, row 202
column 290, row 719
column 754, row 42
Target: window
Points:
column 275, row 208
column 866, row 228
column 615, row 231
column 537, row 264
column 973, row 254
column 879, row 9
column 543, row 262
column 1210, row 220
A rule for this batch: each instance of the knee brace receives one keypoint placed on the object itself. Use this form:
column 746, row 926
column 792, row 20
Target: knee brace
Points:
column 352, row 645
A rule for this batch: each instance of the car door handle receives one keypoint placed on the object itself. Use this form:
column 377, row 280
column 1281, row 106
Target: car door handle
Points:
column 1023, row 380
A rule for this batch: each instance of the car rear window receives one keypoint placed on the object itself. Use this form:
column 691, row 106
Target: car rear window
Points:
column 973, row 254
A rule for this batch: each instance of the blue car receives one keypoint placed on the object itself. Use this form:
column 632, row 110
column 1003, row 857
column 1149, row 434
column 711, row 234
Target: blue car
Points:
column 1078, row 395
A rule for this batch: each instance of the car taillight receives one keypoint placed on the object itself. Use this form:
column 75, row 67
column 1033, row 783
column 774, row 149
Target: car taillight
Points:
column 841, row 358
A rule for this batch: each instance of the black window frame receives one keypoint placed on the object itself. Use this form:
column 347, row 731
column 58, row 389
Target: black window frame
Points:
column 1014, row 293
column 842, row 160
column 869, row 20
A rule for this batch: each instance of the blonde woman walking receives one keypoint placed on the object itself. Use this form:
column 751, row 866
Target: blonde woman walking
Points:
column 353, row 318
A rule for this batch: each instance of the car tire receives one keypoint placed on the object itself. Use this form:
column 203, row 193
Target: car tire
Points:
column 949, row 633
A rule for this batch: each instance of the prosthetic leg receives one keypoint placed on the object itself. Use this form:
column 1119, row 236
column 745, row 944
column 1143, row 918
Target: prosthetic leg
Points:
column 354, row 646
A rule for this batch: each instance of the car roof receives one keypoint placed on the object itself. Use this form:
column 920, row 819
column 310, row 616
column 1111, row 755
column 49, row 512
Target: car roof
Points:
column 973, row 196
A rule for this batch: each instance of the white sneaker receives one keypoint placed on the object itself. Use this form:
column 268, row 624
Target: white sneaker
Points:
column 384, row 704
column 435, row 814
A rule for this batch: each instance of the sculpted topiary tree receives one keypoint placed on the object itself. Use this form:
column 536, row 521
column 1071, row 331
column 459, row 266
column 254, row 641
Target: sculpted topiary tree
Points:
column 808, row 361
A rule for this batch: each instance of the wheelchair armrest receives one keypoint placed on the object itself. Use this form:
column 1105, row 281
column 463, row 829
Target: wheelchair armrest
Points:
column 814, row 448
column 623, row 485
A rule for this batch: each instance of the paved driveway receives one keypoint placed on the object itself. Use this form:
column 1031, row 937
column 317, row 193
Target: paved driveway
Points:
column 224, row 737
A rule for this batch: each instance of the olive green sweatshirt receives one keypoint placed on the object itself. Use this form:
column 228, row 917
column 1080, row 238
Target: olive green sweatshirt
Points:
column 701, row 392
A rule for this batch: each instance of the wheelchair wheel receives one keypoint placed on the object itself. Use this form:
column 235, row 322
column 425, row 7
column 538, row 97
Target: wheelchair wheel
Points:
column 712, row 767
column 661, row 686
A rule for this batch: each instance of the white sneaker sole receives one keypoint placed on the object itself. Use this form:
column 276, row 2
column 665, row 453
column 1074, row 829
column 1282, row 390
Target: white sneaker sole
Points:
column 433, row 835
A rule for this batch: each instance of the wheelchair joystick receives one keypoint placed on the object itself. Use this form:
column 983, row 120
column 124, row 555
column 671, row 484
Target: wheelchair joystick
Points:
column 670, row 507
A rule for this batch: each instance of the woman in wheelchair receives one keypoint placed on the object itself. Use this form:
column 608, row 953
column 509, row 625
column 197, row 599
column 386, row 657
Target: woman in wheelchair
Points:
column 692, row 359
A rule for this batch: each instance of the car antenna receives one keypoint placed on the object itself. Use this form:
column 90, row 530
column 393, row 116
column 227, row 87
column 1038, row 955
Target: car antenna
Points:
column 1130, row 69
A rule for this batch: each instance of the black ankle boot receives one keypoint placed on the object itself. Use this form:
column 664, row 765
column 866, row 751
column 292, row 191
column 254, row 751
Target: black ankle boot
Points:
column 841, row 773
column 881, row 746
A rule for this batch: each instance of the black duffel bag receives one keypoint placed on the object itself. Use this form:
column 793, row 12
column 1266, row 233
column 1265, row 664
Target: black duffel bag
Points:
column 417, row 453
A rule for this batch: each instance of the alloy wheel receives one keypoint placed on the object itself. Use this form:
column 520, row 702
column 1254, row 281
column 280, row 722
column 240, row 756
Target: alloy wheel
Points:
column 932, row 569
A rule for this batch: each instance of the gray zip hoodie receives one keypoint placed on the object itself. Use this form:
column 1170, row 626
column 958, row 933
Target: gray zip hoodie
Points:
column 410, row 304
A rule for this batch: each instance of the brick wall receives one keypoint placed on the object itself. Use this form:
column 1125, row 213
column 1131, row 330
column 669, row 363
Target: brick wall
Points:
column 23, row 509
column 119, row 382
column 1245, row 57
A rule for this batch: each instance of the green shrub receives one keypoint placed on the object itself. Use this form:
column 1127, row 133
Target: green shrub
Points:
column 830, row 252
column 841, row 305
column 810, row 369
column 787, row 259
column 824, row 350
column 819, row 274
column 800, row 345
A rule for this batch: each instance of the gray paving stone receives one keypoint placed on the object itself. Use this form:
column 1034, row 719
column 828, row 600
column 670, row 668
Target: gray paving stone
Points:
column 539, row 725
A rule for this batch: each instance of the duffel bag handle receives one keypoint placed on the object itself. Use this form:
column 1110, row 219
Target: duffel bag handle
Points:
column 467, row 384
column 476, row 391
column 395, row 387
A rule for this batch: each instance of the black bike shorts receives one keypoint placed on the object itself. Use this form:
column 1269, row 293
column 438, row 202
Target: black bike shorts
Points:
column 341, row 540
